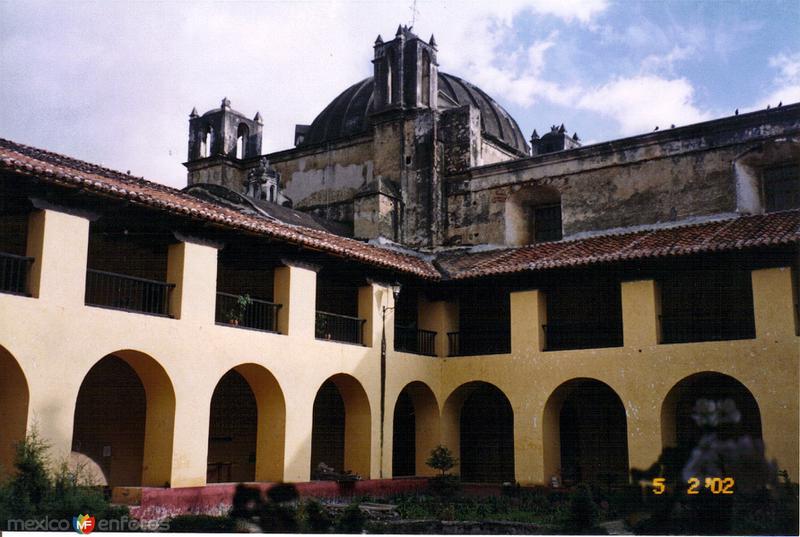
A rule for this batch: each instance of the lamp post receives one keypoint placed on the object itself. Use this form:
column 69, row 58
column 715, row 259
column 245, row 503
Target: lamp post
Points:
column 395, row 294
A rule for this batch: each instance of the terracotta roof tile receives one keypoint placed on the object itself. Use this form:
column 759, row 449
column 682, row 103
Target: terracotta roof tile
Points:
column 736, row 233
column 723, row 235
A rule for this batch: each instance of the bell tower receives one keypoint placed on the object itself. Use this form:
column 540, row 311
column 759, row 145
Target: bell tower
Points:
column 406, row 72
column 221, row 141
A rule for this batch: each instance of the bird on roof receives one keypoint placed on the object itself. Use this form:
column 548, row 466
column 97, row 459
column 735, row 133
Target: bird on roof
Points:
column 780, row 103
column 736, row 112
column 655, row 128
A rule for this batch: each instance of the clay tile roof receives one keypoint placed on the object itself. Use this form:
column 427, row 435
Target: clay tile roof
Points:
column 737, row 233
column 66, row 171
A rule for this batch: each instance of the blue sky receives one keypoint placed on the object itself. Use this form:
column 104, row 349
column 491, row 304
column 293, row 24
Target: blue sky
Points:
column 113, row 82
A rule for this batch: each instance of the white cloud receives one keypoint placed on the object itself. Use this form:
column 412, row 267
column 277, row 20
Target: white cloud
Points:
column 666, row 62
column 786, row 85
column 570, row 10
column 641, row 103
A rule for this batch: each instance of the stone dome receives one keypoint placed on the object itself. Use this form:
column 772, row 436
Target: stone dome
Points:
column 348, row 114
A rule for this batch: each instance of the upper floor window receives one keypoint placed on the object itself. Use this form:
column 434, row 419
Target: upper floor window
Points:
column 547, row 222
column 206, row 141
column 781, row 188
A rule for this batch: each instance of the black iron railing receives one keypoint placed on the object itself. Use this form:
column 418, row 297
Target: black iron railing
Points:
column 117, row 291
column 14, row 271
column 693, row 328
column 569, row 335
column 476, row 343
column 343, row 328
column 246, row 312
column 415, row 341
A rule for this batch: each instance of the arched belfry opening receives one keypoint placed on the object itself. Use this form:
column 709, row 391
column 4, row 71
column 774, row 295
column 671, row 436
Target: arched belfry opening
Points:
column 425, row 79
column 14, row 398
column 415, row 430
column 478, row 424
column 678, row 428
column 246, row 427
column 206, row 141
column 341, row 430
column 124, row 420
column 585, row 434
column 242, row 136
column 533, row 215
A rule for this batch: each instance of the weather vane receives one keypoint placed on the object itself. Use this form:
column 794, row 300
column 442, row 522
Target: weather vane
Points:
column 413, row 13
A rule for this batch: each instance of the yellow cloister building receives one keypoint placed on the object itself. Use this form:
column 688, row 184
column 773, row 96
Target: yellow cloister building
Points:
column 557, row 317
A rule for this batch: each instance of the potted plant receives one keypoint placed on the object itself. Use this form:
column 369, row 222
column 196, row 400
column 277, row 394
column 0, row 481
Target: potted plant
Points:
column 236, row 313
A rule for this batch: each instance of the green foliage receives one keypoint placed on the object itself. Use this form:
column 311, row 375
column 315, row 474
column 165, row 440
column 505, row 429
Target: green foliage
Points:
column 315, row 518
column 441, row 459
column 351, row 520
column 202, row 524
column 583, row 513
column 535, row 506
column 35, row 493
column 236, row 313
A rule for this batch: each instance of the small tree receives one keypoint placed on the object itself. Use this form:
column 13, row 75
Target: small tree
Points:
column 441, row 459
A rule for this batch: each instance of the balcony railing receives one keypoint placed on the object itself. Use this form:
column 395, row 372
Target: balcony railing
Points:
column 570, row 335
column 476, row 343
column 14, row 271
column 693, row 328
column 415, row 341
column 251, row 313
column 334, row 327
column 128, row 293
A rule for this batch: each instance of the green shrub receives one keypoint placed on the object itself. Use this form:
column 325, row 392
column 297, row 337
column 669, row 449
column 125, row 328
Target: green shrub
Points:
column 315, row 517
column 441, row 459
column 36, row 493
column 351, row 520
column 582, row 509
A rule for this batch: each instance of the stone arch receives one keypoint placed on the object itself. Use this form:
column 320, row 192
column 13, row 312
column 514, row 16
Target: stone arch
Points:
column 677, row 427
column 748, row 168
column 585, row 433
column 520, row 214
column 250, row 447
column 478, row 425
column 14, row 401
column 415, row 430
column 341, row 429
column 124, row 419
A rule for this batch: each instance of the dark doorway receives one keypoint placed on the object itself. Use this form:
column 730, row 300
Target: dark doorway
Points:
column 232, row 431
column 487, row 436
column 404, row 451
column 327, row 433
column 593, row 435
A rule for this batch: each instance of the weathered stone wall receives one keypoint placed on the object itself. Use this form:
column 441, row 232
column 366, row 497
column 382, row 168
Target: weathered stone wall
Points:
column 657, row 178
column 325, row 175
column 492, row 153
column 460, row 132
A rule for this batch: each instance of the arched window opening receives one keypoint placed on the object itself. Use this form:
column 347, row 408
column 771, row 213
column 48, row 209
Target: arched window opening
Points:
column 124, row 418
column 678, row 428
column 585, row 428
column 232, row 442
column 389, row 76
column 241, row 141
column 425, row 79
column 340, row 429
column 206, row 141
column 14, row 397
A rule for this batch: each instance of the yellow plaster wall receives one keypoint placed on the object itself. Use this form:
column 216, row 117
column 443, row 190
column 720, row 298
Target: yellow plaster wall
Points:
column 56, row 339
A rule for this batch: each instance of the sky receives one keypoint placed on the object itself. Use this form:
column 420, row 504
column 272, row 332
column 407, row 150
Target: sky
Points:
column 113, row 82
